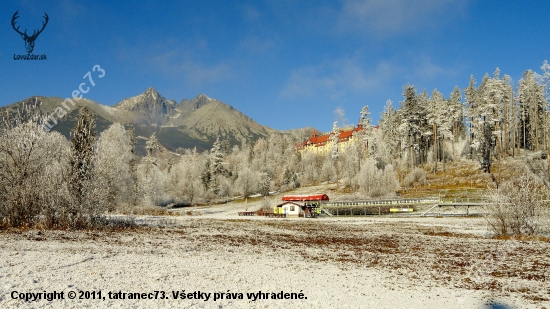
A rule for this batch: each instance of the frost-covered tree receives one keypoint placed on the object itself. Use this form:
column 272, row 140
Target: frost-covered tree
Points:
column 33, row 166
column 83, row 137
column 328, row 171
column 376, row 182
column 416, row 176
column 444, row 120
column 132, row 166
column 510, row 117
column 310, row 167
column 389, row 124
column 534, row 111
column 470, row 105
column 216, row 166
column 351, row 164
column 114, row 162
column 391, row 179
column 437, row 117
column 457, row 117
column 189, row 174
column 247, row 182
column 152, row 145
column 334, row 141
column 264, row 184
column 365, row 136
column 206, row 175
column 151, row 180
column 88, row 191
column 413, row 125
column 483, row 109
column 518, row 207
column 544, row 79
column 290, row 169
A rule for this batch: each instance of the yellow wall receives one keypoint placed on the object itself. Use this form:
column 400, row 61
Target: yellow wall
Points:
column 342, row 147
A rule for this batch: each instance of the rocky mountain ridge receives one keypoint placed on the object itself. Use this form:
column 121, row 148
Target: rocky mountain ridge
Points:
column 191, row 123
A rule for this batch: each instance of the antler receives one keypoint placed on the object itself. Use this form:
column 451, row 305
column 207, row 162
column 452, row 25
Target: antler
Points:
column 43, row 26
column 13, row 24
column 34, row 33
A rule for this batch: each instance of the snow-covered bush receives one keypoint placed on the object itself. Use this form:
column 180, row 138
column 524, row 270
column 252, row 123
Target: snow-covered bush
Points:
column 518, row 207
column 33, row 164
column 150, row 182
column 415, row 177
column 247, row 182
column 376, row 182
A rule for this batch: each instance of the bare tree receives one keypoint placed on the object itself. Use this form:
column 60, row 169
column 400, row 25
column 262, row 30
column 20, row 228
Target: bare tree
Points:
column 416, row 176
column 33, row 167
column 518, row 206
column 247, row 182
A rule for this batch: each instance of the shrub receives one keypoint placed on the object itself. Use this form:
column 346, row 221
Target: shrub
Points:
column 43, row 185
column 415, row 177
column 32, row 165
column 518, row 206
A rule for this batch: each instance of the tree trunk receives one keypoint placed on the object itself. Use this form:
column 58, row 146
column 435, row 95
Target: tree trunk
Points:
column 454, row 138
column 411, row 152
column 435, row 147
column 505, row 130
column 443, row 153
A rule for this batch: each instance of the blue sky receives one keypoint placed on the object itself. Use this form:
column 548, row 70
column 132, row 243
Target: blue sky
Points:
column 287, row 64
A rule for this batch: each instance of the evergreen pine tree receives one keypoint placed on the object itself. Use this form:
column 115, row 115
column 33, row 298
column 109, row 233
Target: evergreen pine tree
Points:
column 83, row 138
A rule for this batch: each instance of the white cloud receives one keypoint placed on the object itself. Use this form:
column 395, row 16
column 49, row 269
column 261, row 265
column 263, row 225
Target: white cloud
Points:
column 181, row 63
column 258, row 45
column 251, row 13
column 424, row 69
column 389, row 17
column 340, row 116
column 71, row 8
column 429, row 70
column 335, row 79
column 348, row 81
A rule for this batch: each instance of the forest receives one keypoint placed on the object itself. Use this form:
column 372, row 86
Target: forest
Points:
column 47, row 180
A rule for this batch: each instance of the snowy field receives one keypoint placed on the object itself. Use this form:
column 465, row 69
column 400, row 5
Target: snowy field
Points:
column 334, row 263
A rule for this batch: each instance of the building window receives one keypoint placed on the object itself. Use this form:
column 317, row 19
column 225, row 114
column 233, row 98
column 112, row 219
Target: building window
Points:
column 292, row 208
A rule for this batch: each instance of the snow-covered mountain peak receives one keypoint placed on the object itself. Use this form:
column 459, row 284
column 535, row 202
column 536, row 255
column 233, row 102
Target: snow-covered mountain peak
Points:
column 152, row 92
column 203, row 96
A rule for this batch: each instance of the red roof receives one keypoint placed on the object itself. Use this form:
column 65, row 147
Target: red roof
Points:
column 320, row 140
column 312, row 197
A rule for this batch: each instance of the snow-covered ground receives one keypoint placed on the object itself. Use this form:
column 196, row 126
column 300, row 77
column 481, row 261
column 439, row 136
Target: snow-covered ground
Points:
column 334, row 262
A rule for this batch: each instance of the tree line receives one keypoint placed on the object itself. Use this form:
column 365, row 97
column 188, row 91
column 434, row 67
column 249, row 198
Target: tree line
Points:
column 492, row 120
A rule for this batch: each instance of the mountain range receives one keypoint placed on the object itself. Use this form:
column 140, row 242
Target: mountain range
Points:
column 187, row 124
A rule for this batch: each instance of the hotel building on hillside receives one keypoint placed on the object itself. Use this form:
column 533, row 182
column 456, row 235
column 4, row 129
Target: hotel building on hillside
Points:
column 320, row 144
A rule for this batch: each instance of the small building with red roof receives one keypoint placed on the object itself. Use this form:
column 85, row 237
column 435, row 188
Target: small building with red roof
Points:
column 298, row 205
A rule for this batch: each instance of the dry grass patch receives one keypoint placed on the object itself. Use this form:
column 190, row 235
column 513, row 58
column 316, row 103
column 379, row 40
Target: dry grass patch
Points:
column 431, row 254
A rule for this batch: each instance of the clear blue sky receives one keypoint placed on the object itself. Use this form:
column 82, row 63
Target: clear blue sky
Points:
column 287, row 64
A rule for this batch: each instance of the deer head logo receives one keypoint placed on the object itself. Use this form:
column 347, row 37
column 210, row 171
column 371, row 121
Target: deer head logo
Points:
column 29, row 40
